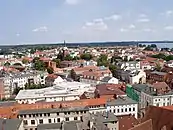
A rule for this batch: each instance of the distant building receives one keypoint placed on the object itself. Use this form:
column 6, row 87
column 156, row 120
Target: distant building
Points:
column 110, row 80
column 95, row 77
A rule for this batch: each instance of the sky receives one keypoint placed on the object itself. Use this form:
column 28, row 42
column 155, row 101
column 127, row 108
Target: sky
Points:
column 52, row 21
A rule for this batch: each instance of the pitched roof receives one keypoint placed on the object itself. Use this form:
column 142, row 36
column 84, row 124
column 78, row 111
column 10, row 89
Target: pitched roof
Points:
column 109, row 89
column 10, row 124
column 160, row 117
column 126, row 122
column 147, row 125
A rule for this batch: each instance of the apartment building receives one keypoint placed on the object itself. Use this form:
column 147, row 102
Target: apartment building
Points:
column 129, row 65
column 157, row 94
column 132, row 76
column 20, row 79
column 33, row 118
column 123, row 105
column 95, row 77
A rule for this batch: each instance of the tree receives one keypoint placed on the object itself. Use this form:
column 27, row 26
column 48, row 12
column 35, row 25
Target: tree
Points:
column 40, row 65
column 7, row 63
column 25, row 61
column 115, row 59
column 86, row 56
column 57, row 61
column 112, row 69
column 103, row 60
column 50, row 70
column 68, row 57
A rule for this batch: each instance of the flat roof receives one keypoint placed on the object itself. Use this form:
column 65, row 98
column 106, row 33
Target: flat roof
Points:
column 124, row 100
column 40, row 111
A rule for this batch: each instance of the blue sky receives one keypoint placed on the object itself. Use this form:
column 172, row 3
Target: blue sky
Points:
column 49, row 21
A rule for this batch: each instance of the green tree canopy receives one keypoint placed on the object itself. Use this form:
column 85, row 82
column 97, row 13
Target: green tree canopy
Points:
column 40, row 65
column 68, row 57
column 50, row 70
column 57, row 61
column 103, row 60
column 86, row 56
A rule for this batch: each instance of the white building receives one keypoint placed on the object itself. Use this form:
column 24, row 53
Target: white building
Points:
column 123, row 106
column 152, row 97
column 109, row 80
column 129, row 65
column 131, row 76
column 33, row 118
column 170, row 63
column 62, row 91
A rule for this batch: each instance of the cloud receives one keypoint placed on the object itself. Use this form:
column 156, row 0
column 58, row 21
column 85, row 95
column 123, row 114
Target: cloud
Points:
column 96, row 24
column 168, row 28
column 142, row 15
column 113, row 17
column 124, row 30
column 17, row 34
column 72, row 2
column 40, row 29
column 143, row 20
column 148, row 30
column 132, row 26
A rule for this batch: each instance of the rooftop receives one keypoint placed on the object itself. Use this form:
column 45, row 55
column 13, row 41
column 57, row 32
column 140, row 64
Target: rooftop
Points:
column 68, row 109
column 10, row 124
column 121, row 101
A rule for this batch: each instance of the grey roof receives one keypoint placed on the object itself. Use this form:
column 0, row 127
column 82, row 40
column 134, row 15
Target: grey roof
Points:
column 39, row 111
column 53, row 126
column 121, row 101
column 72, row 125
column 10, row 124
column 105, row 117
column 7, row 103
column 158, row 73
column 106, row 79
column 140, row 87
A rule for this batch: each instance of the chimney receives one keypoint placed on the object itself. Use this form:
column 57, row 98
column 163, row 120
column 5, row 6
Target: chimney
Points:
column 62, row 125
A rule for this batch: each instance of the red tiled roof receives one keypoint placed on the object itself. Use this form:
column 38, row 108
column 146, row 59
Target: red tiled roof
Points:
column 109, row 89
column 126, row 122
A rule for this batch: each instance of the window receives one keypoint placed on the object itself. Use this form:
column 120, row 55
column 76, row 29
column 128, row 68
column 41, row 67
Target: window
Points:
column 32, row 122
column 163, row 104
column 130, row 109
column 134, row 109
column 24, row 116
column 114, row 110
column 125, row 109
column 49, row 120
column 48, row 114
column 41, row 121
column 122, row 110
column 75, row 118
column 25, row 122
column 44, row 114
column 67, row 119
column 58, row 119
column 54, row 121
column 65, row 113
column 40, row 115
column 77, row 112
column 57, row 114
column 118, row 110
